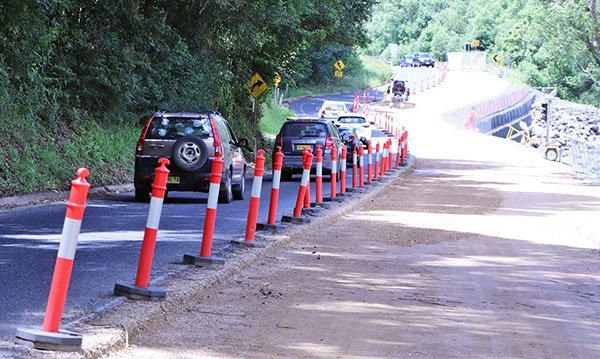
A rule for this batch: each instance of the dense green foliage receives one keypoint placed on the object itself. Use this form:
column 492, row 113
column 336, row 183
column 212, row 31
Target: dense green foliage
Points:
column 551, row 43
column 76, row 77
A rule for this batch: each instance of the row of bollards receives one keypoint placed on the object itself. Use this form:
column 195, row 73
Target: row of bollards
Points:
column 51, row 337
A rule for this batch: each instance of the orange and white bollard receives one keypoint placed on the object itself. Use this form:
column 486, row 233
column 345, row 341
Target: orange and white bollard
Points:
column 333, row 172
column 259, row 170
column 277, row 164
column 361, row 162
column 307, row 164
column 306, row 206
column 343, row 172
column 369, row 162
column 354, row 168
column 50, row 337
column 209, row 220
column 404, row 148
column 376, row 169
column 394, row 152
column 399, row 149
column 141, row 289
column 319, row 177
column 383, row 163
column 390, row 160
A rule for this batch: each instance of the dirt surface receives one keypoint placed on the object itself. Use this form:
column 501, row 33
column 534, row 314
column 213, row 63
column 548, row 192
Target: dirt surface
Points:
column 481, row 249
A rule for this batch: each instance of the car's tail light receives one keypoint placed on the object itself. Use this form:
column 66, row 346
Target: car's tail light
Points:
column 329, row 142
column 278, row 141
column 139, row 149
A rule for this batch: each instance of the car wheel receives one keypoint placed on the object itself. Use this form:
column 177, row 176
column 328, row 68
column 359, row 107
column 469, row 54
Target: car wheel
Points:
column 286, row 175
column 551, row 154
column 142, row 194
column 226, row 191
column 189, row 153
column 239, row 192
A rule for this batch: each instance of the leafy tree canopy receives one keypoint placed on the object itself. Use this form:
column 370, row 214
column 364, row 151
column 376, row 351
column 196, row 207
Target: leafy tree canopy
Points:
column 553, row 43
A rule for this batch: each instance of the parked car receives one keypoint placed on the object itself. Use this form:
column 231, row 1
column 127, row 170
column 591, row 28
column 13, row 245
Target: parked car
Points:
column 407, row 61
column 330, row 110
column 424, row 59
column 297, row 135
column 352, row 140
column 190, row 139
column 357, row 121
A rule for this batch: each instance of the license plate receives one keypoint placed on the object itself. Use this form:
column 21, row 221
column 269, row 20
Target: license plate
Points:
column 173, row 179
column 303, row 147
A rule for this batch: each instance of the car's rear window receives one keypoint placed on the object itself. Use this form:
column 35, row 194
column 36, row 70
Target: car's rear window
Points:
column 175, row 127
column 304, row 129
column 335, row 107
column 352, row 119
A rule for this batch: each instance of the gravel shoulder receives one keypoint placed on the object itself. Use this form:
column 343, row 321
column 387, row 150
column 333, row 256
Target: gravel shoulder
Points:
column 480, row 249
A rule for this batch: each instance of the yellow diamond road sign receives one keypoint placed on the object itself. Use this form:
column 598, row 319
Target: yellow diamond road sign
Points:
column 257, row 85
column 339, row 65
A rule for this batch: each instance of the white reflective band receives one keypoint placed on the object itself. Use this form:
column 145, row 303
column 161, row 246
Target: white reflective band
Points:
column 276, row 179
column 213, row 195
column 154, row 212
column 343, row 165
column 256, row 186
column 68, row 238
column 305, row 176
column 319, row 169
column 370, row 158
column 334, row 167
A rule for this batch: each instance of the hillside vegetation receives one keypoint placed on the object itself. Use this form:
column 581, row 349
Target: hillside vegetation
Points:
column 77, row 78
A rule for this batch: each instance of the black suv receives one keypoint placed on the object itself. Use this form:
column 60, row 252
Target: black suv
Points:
column 190, row 139
column 299, row 134
column 423, row 59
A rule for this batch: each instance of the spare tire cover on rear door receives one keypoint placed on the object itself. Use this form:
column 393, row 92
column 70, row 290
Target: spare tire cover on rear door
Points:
column 189, row 153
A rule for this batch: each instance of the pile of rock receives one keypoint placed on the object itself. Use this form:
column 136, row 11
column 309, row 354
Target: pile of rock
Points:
column 568, row 122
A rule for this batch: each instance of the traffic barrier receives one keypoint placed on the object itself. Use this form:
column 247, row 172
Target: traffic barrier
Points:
column 277, row 165
column 404, row 148
column 354, row 168
column 307, row 164
column 399, row 148
column 469, row 121
column 361, row 159
column 384, row 156
column 390, row 155
column 376, row 171
column 306, row 206
column 343, row 172
column 51, row 337
column 141, row 288
column 369, row 162
column 333, row 172
column 259, row 170
column 205, row 257
column 319, row 177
